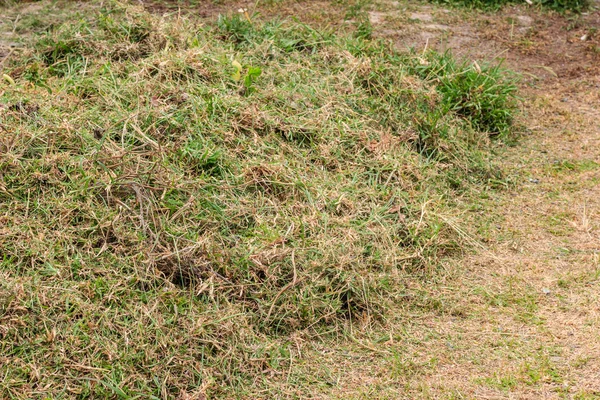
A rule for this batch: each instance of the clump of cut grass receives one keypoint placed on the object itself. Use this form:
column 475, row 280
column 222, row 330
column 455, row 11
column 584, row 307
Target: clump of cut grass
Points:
column 482, row 95
column 179, row 200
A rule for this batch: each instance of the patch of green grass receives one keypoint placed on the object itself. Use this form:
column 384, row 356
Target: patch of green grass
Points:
column 483, row 95
column 585, row 395
column 180, row 201
column 560, row 166
column 560, row 224
column 542, row 369
column 558, row 5
column 537, row 370
column 518, row 296
column 407, row 367
column 504, row 382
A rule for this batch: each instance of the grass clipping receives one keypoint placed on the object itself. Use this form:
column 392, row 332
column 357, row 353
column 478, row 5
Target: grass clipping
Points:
column 195, row 195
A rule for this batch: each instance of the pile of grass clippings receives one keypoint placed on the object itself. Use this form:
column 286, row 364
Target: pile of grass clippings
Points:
column 178, row 199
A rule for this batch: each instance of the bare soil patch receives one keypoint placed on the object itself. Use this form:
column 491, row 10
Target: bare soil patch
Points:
column 319, row 13
column 543, row 45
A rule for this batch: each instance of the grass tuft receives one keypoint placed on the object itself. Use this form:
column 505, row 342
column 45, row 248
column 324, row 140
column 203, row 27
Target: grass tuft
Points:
column 482, row 95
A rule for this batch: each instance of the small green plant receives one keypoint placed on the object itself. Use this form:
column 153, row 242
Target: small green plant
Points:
column 565, row 5
column 235, row 28
column 249, row 77
column 62, row 55
column 123, row 26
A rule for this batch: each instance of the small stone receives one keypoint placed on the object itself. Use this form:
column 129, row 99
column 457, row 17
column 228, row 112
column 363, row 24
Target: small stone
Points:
column 545, row 290
column 437, row 27
column 376, row 17
column 524, row 20
column 421, row 16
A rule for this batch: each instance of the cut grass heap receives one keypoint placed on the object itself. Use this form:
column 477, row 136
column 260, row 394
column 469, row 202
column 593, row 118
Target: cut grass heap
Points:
column 178, row 200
